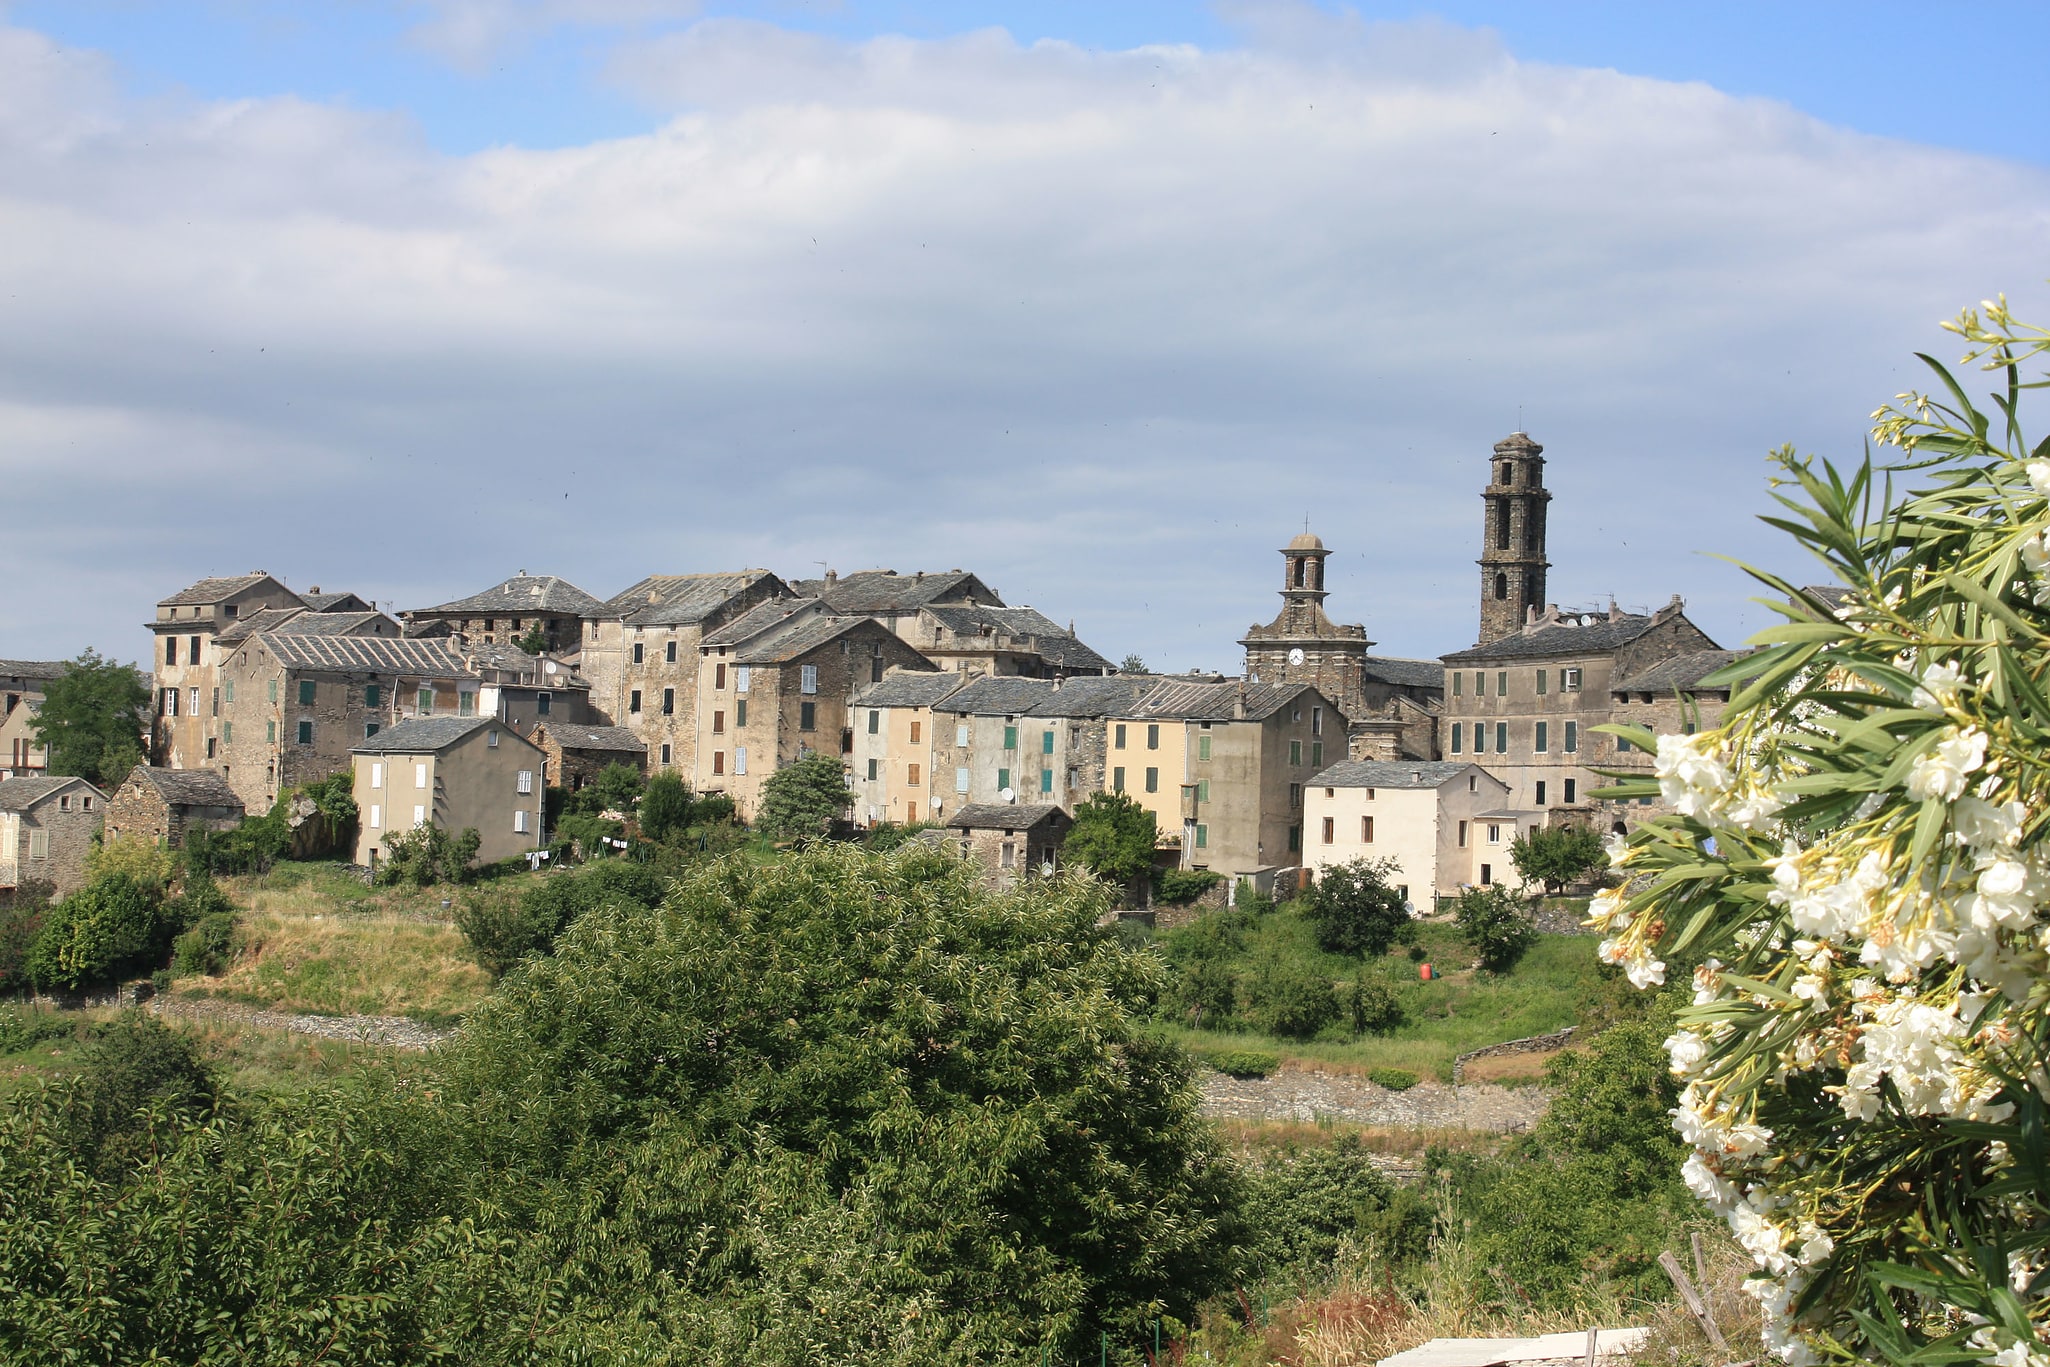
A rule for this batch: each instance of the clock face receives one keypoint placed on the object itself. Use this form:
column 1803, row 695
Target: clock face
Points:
column 1295, row 656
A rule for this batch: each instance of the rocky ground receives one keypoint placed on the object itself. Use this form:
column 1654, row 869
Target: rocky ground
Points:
column 1309, row 1097
column 393, row 1032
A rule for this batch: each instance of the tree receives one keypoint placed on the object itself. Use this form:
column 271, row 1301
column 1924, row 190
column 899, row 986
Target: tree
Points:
column 92, row 719
column 1496, row 926
column 804, row 798
column 1557, row 855
column 112, row 926
column 1356, row 909
column 617, row 788
column 1132, row 664
column 665, row 806
column 534, row 642
column 1113, row 837
column 427, row 855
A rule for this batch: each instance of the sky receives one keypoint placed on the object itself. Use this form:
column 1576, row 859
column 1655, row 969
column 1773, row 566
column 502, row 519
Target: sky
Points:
column 1100, row 301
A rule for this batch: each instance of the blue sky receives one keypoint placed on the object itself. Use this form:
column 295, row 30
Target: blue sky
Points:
column 1098, row 300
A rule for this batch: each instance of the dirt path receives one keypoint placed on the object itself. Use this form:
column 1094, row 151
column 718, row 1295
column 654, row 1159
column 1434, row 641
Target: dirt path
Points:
column 393, row 1032
column 1308, row 1097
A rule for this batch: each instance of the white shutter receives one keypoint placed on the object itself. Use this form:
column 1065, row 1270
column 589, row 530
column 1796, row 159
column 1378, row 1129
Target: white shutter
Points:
column 376, row 777
column 419, row 776
column 520, row 821
column 808, row 678
column 961, row 779
column 526, row 781
column 376, row 816
column 740, row 759
column 419, row 816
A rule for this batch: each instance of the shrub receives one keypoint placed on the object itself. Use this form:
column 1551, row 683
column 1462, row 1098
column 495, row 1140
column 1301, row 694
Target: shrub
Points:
column 22, row 1030
column 206, row 947
column 713, row 809
column 109, row 928
column 665, row 807
column 892, row 835
column 1181, row 886
column 1356, row 910
column 1245, row 1063
column 142, row 860
column 1113, row 837
column 1249, row 898
column 1394, row 1079
column 804, row 798
column 427, row 855
column 1373, row 1006
column 130, row 1062
column 21, row 920
column 1289, row 1000
column 502, row 930
column 1305, row 1206
column 1557, row 855
column 1496, row 925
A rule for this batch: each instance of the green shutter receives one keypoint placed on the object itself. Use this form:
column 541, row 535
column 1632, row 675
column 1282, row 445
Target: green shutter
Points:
column 270, row 733
column 372, row 695
column 306, row 692
column 1046, row 743
column 1202, row 790
column 1202, row 837
column 1003, row 779
column 1010, row 737
column 1543, row 739
column 1202, row 747
column 1295, row 752
column 1046, row 780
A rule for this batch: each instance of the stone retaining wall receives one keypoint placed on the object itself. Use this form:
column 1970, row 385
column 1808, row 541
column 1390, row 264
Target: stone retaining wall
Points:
column 1534, row 1044
column 126, row 994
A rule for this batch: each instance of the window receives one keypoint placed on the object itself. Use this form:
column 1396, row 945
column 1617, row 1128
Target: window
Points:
column 1003, row 779
column 1203, row 747
column 526, row 782
column 373, row 695
column 914, row 732
column 961, row 736
column 270, row 733
column 1117, row 780
column 807, row 716
column 1316, row 754
column 1153, row 737
column 217, row 702
column 961, row 779
column 1010, row 737
column 718, row 761
column 1487, row 874
column 1295, row 838
column 193, row 710
column 718, row 723
column 228, row 687
column 807, row 678
column 1569, row 680
column 1542, row 675
column 38, row 844
column 1330, row 830
column 1458, row 733
column 719, row 675
column 875, row 722
column 640, row 653
column 740, row 711
column 1502, row 684
column 170, row 702
column 665, row 752
column 1074, row 777
column 1117, row 740
column 306, row 733
column 306, row 692
column 1622, row 746
column 669, row 657
column 1316, row 721
column 1046, row 743
column 466, row 704
column 1202, row 837
column 227, row 733
column 911, row 775
column 1569, row 792
column 633, row 701
column 874, row 769
column 419, row 776
column 1687, row 728
column 1501, row 737
column 1480, row 684
column 1202, row 790
column 1540, row 792
column 376, row 817
column 1295, row 752
column 273, row 690
column 1153, row 780
column 419, row 816
column 1366, row 830
column 1462, row 835
column 910, row 808
column 1295, row 795
column 542, row 702
column 1540, row 739
column 668, row 702
column 1572, row 737
column 376, row 774
column 1480, row 739
column 170, row 650
column 1046, row 780
column 1494, row 835
column 741, row 675
column 1007, row 854
column 520, row 821
column 426, row 701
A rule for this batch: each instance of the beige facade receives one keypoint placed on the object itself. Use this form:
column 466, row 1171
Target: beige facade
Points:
column 899, row 765
column 457, row 773
column 186, row 680
column 1004, row 740
column 1444, row 823
column 21, row 694
column 1669, row 699
column 47, row 827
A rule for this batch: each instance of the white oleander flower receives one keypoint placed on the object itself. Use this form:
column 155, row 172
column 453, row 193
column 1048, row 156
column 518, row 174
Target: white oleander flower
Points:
column 1688, row 1052
column 2039, row 476
column 1941, row 773
column 1983, row 826
column 1938, row 690
column 1756, row 809
column 1692, row 780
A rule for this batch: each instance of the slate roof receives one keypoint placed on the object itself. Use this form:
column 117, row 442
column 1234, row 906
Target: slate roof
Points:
column 873, row 591
column 799, row 638
column 1406, row 673
column 1053, row 642
column 20, row 794
column 1011, row 695
column 1680, row 672
column 524, row 594
column 255, row 624
column 33, row 669
column 189, row 787
column 422, row 735
column 1003, row 816
column 663, row 600
column 336, row 602
column 595, row 738
column 376, row 653
column 910, row 689
column 763, row 617
column 213, row 590
column 1382, row 773
column 1216, row 701
column 1600, row 635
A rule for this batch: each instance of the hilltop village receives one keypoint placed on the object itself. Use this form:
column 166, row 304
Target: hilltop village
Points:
column 946, row 706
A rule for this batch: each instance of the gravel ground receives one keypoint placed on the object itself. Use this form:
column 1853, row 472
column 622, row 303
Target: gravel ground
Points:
column 395, row 1032
column 1313, row 1096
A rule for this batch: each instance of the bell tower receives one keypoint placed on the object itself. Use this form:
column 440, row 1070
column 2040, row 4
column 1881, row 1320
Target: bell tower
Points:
column 1302, row 583
column 1512, row 559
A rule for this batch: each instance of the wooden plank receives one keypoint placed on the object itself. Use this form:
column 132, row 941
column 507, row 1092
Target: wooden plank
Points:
column 1696, row 1306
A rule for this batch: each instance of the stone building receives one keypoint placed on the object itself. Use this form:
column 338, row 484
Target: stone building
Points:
column 1512, row 562
column 458, row 773
column 22, row 683
column 899, row 767
column 47, row 827
column 641, row 654
column 1668, row 699
column 974, row 639
column 510, row 610
column 773, row 686
column 1011, row 842
column 161, row 805
column 523, row 690
column 185, row 679
column 1005, row 739
column 1446, row 824
column 577, row 753
column 896, row 599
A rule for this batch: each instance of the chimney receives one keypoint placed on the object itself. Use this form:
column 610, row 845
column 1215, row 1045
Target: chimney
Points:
column 1238, row 704
column 918, row 577
column 1615, row 613
column 832, row 578
column 314, row 589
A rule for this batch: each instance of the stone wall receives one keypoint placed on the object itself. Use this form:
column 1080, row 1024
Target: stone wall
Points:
column 1533, row 1044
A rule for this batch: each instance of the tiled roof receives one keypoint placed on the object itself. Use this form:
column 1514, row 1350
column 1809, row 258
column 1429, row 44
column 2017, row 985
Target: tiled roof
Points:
column 213, row 590
column 1386, row 773
column 1601, row 634
column 908, row 688
column 33, row 669
column 1405, row 673
column 1216, row 701
column 594, row 738
column 375, row 653
column 682, row 599
column 1003, row 816
column 873, row 591
column 300, row 622
column 1680, row 672
column 422, row 735
column 524, row 593
column 20, row 794
column 188, row 787
column 255, row 624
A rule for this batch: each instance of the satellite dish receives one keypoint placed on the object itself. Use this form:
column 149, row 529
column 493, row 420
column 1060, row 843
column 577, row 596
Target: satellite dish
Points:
column 1008, row 795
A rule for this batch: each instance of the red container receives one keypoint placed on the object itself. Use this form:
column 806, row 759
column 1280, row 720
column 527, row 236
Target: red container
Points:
column 1423, row 972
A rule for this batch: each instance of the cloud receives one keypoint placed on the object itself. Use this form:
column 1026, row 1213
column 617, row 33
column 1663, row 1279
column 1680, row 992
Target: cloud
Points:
column 1103, row 326
column 470, row 33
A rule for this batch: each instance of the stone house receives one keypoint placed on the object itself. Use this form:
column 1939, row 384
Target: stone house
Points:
column 1444, row 823
column 509, row 610
column 975, row 639
column 641, row 654
column 773, row 687
column 1006, row 739
column 1011, row 842
column 454, row 772
column 294, row 706
column 161, row 805
column 1223, row 768
column 525, row 691
column 21, row 695
column 897, row 757
column 894, row 599
column 183, row 670
column 1668, row 699
column 47, row 827
column 577, row 753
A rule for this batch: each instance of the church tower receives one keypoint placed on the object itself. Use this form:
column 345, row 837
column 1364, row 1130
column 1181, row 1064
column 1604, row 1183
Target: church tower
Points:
column 1302, row 645
column 1512, row 559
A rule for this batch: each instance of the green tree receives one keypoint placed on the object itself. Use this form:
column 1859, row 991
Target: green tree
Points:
column 1496, row 925
column 534, row 642
column 427, row 855
column 1113, row 837
column 111, row 927
column 617, row 788
column 1132, row 664
column 804, row 798
column 1557, row 855
column 1355, row 908
column 665, row 807
column 92, row 719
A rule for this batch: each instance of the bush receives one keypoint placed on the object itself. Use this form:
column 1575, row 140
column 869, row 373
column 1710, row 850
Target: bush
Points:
column 1394, row 1079
column 1182, row 886
column 1356, row 910
column 893, row 835
column 130, row 1062
column 665, row 807
column 22, row 1030
column 1496, row 925
column 1245, row 1063
column 1113, row 837
column 503, row 930
column 206, row 947
column 1306, row 1206
column 713, row 809
column 805, row 798
column 1291, row 1001
column 108, row 929
column 21, row 921
column 1557, row 855
column 427, row 855
column 1373, row 1006
column 1248, row 898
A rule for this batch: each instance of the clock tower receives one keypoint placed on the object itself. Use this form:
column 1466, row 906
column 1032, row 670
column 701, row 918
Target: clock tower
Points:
column 1303, row 645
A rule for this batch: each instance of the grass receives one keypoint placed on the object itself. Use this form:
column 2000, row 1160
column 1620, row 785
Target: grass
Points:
column 1461, row 1009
